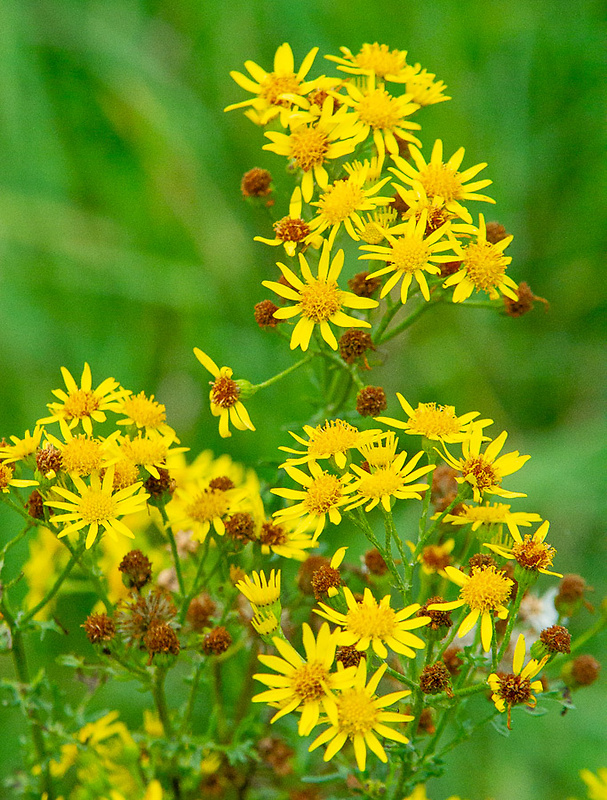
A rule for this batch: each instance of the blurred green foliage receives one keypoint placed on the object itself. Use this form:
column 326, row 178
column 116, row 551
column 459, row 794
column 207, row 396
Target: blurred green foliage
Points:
column 124, row 242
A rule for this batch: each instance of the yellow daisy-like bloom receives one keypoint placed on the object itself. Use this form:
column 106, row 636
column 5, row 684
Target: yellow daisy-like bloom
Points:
column 381, row 451
column 292, row 230
column 530, row 553
column 484, row 591
column 275, row 92
column 485, row 471
column 201, row 503
column 7, row 480
column 435, row 557
column 319, row 300
column 82, row 454
column 444, row 180
column 283, row 539
column 373, row 229
column 304, row 684
column 483, row 268
column 517, row 687
column 343, row 202
column 438, row 423
column 422, row 88
column 410, row 255
column 144, row 412
column 379, row 114
column 97, row 505
column 376, row 624
column 373, row 59
column 417, row 201
column 492, row 514
column 311, row 146
column 150, row 451
column 359, row 716
column 332, row 440
column 83, row 404
column 20, row 449
column 224, row 397
column 597, row 784
column 393, row 480
column 323, row 494
column 261, row 592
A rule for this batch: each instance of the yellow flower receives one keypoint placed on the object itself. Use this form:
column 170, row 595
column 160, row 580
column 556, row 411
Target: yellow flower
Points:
column 438, row 423
column 224, row 397
column 380, row 114
column 7, row 480
column 261, row 592
column 149, row 451
column 369, row 623
column 529, row 553
column 82, row 454
column 374, row 59
column 422, row 88
column 343, row 202
column 319, row 300
column 144, row 412
column 373, row 229
column 284, row 540
column 20, row 449
column 311, row 146
column 484, row 591
column 359, row 716
column 492, row 514
column 97, row 505
column 485, row 471
column 292, row 230
column 597, row 784
column 275, row 92
column 331, row 440
column 483, row 268
column 322, row 495
column 516, row 687
column 444, row 180
column 306, row 684
column 410, row 255
column 393, row 480
column 200, row 503
column 83, row 404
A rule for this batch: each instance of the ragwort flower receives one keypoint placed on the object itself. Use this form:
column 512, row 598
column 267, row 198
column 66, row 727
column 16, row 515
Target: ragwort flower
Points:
column 319, row 300
column 484, row 591
column 395, row 479
column 438, row 423
column 376, row 624
column 517, row 687
column 307, row 684
column 7, row 480
column 492, row 514
column 292, row 229
column 331, row 440
column 20, row 449
column 225, row 397
column 359, row 716
column 374, row 59
column 530, row 553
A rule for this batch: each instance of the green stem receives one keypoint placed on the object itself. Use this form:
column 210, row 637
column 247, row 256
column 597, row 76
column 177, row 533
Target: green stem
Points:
column 407, row 322
column 93, row 577
column 390, row 534
column 192, row 697
column 75, row 557
column 195, row 585
column 385, row 321
column 175, row 554
column 400, row 677
column 284, row 373
column 511, row 620
column 161, row 703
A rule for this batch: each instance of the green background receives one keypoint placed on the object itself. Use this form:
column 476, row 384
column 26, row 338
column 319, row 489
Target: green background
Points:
column 124, row 242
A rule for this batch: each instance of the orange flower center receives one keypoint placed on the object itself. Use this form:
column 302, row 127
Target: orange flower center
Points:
column 320, row 300
column 291, row 229
column 533, row 555
column 308, row 147
column 439, row 179
column 225, row 392
column 324, row 493
column 485, row 265
column 308, row 680
column 273, row 86
column 207, row 505
column 480, row 473
column 80, row 403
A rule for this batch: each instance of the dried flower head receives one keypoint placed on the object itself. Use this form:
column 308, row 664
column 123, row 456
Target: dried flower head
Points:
column 582, row 671
column 349, row 655
column 35, row 505
column 435, row 678
column 241, row 526
column 256, row 182
column 374, row 562
column 524, row 302
column 371, row 401
column 438, row 619
column 160, row 638
column 136, row 569
column 217, row 641
column 557, row 639
column 138, row 614
column 264, row 314
column 354, row 344
column 99, row 628
column 307, row 570
column 362, row 285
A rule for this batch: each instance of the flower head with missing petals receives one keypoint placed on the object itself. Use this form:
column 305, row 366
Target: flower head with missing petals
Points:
column 530, row 553
column 376, row 624
column 225, row 397
column 484, row 591
column 485, row 471
column 319, row 300
column 20, row 449
column 359, row 716
column 292, row 230
column 517, row 687
column 306, row 684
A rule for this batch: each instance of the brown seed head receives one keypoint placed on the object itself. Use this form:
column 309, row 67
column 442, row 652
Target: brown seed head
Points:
column 435, row 678
column 291, row 229
column 138, row 614
column 161, row 638
column 438, row 619
column 216, row 641
column 533, row 555
column 353, row 344
column 496, row 232
column 524, row 302
column 264, row 314
column 585, row 670
column 307, row 570
column 435, row 557
column 349, row 655
column 256, row 182
column 200, row 611
column 371, row 401
column 453, row 659
column 557, row 639
column 157, row 487
column 514, row 689
column 363, row 287
column 449, row 268
column 99, row 628
column 444, row 487
column 136, row 569
column 241, row 526
column 324, row 579
column 48, row 459
column 221, row 484
column 272, row 535
column 374, row 562
column 480, row 561
column 35, row 505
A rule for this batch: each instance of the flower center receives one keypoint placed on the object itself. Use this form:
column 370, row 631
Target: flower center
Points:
column 371, row 620
column 225, row 392
column 356, row 712
column 480, row 473
column 409, row 254
column 380, row 59
column 207, row 505
column 309, row 147
column 379, row 110
column 533, row 555
column 125, row 474
column 340, row 201
column 80, row 403
column 6, row 476
column 514, row 689
column 439, row 179
column 320, row 300
column 291, row 229
column 97, row 506
column 486, row 590
column 82, row 455
column 324, row 493
column 272, row 535
column 144, row 451
column 335, row 436
column 273, row 86
column 485, row 265
column 143, row 411
column 382, row 482
column 307, row 681
column 371, row 233
column 432, row 420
